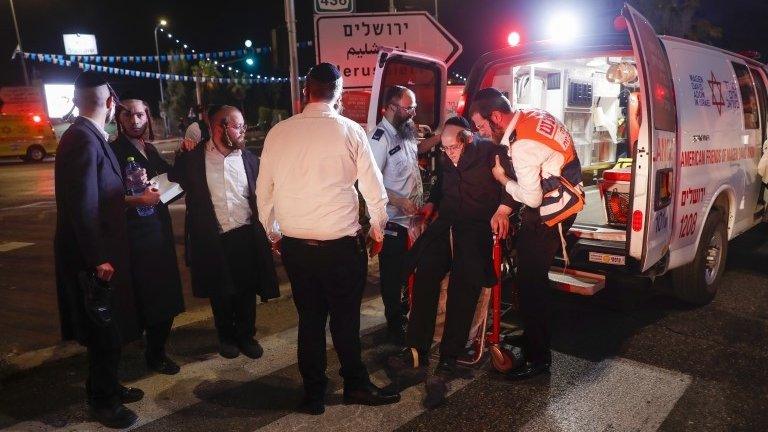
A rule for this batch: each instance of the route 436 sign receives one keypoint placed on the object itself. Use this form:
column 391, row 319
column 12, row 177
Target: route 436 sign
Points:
column 325, row 6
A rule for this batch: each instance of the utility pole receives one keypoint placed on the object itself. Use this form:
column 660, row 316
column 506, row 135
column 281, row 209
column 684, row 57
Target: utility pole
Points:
column 18, row 40
column 290, row 21
column 163, row 114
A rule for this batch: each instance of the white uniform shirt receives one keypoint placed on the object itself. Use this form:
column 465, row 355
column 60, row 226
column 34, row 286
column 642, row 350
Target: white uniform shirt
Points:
column 531, row 161
column 307, row 176
column 398, row 161
column 228, row 186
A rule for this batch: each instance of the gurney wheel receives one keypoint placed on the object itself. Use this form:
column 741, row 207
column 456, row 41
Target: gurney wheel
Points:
column 502, row 360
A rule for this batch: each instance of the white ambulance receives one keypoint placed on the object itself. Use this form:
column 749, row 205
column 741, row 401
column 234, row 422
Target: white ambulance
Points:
column 669, row 133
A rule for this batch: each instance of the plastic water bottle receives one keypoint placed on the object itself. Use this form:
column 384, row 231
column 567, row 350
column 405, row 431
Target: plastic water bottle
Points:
column 135, row 185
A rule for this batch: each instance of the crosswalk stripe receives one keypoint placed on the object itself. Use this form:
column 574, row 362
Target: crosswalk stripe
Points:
column 360, row 418
column 610, row 395
column 165, row 395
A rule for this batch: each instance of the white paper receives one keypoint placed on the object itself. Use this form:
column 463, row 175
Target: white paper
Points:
column 168, row 189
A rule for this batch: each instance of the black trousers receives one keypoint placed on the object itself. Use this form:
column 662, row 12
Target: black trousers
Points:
column 157, row 336
column 434, row 262
column 102, row 386
column 327, row 280
column 234, row 303
column 537, row 245
column 391, row 261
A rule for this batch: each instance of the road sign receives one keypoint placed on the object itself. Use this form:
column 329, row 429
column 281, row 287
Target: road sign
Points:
column 352, row 41
column 80, row 44
column 334, row 6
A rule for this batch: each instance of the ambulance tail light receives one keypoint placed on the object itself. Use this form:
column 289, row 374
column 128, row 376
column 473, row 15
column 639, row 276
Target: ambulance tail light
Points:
column 637, row 221
column 461, row 104
column 617, row 207
column 36, row 118
column 513, row 39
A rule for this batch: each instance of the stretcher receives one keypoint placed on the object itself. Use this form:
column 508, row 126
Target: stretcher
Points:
column 488, row 338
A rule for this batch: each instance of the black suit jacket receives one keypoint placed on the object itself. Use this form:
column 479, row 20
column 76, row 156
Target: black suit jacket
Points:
column 91, row 230
column 204, row 252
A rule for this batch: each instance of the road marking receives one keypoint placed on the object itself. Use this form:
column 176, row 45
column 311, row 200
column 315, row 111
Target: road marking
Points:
column 165, row 395
column 32, row 205
column 611, row 395
column 9, row 246
column 361, row 418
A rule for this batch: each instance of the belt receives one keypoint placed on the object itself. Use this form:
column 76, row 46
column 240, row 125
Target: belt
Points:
column 322, row 243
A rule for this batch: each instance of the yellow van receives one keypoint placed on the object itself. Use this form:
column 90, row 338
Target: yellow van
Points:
column 30, row 137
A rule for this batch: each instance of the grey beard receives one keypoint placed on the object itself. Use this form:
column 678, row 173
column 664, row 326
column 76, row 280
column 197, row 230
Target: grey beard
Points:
column 407, row 130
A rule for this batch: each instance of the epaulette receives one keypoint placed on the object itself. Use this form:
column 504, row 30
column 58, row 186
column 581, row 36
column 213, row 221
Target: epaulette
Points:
column 377, row 135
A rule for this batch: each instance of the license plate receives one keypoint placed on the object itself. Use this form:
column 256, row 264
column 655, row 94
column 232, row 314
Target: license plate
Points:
column 607, row 258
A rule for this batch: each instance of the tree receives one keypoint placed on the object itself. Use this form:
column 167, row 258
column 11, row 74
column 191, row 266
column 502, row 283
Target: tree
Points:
column 206, row 69
column 178, row 94
column 681, row 18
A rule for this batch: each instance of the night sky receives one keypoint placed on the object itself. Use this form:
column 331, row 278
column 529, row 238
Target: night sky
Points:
column 126, row 28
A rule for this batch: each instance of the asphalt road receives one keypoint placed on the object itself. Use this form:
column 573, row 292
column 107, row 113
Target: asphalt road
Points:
column 625, row 360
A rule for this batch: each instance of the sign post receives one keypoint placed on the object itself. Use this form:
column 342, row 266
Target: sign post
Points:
column 352, row 41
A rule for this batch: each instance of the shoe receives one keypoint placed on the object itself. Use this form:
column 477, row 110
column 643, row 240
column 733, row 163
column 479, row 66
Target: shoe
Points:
column 228, row 350
column 447, row 369
column 370, row 395
column 163, row 365
column 116, row 417
column 528, row 370
column 436, row 388
column 130, row 394
column 311, row 406
column 408, row 358
column 251, row 348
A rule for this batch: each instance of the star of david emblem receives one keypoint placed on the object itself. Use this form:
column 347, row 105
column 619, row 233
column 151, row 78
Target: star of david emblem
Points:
column 714, row 83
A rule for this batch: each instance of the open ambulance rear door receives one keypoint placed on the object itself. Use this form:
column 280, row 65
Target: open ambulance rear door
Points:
column 655, row 159
column 426, row 76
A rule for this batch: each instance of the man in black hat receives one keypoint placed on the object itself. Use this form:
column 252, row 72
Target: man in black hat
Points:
column 306, row 190
column 91, row 238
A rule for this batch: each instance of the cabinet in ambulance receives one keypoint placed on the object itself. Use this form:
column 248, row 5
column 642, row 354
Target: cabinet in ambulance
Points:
column 668, row 131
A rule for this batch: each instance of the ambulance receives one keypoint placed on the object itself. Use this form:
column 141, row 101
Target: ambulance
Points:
column 28, row 136
column 669, row 133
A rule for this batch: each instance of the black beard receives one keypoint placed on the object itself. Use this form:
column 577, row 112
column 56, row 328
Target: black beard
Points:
column 497, row 132
column 407, row 130
column 239, row 144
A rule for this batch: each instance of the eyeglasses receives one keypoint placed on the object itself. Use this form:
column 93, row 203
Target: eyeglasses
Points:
column 240, row 128
column 451, row 149
column 482, row 125
column 411, row 109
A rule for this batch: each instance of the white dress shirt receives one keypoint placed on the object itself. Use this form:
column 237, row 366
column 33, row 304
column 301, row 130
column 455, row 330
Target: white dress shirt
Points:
column 398, row 161
column 98, row 127
column 228, row 186
column 307, row 176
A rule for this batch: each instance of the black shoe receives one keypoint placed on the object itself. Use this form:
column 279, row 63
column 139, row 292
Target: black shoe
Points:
column 370, row 395
column 436, row 388
column 447, row 369
column 251, row 348
column 163, row 365
column 130, row 394
column 117, row 417
column 311, row 406
column 228, row 350
column 528, row 370
column 408, row 358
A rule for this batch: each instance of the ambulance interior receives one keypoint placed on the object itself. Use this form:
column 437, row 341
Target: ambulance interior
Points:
column 597, row 100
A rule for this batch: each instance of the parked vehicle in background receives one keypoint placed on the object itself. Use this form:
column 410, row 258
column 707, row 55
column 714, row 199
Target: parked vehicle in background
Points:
column 28, row 136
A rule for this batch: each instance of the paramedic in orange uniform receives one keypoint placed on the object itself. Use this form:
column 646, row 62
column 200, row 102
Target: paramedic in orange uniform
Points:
column 546, row 168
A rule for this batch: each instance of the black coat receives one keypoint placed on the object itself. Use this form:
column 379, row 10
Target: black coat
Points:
column 204, row 253
column 91, row 230
column 154, row 266
column 466, row 197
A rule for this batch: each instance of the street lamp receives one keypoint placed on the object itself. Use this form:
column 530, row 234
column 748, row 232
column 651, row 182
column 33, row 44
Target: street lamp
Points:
column 248, row 43
column 161, row 23
column 18, row 41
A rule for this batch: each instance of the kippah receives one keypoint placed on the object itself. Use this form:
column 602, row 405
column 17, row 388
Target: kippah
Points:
column 487, row 93
column 458, row 121
column 324, row 72
column 90, row 79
